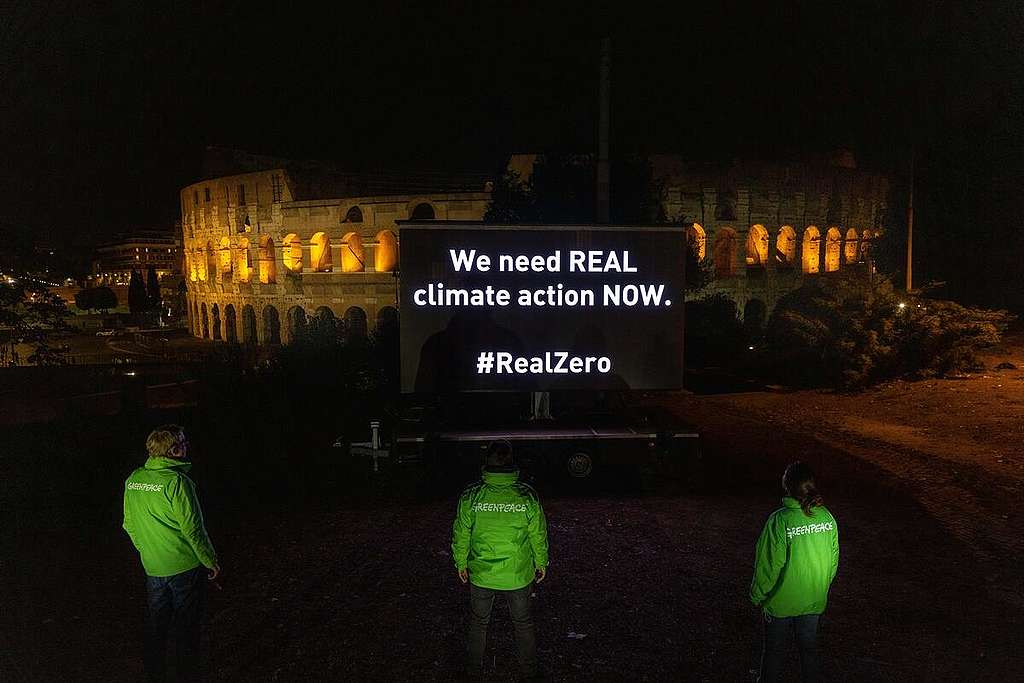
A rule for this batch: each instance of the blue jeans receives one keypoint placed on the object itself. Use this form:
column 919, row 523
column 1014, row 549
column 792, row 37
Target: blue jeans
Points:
column 177, row 601
column 776, row 637
column 481, row 600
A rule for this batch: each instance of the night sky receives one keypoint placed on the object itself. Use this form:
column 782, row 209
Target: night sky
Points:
column 106, row 111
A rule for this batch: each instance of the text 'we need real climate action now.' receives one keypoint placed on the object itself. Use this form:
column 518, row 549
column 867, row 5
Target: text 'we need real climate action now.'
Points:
column 555, row 294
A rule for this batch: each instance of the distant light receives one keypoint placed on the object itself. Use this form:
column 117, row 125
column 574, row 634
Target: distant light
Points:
column 751, row 348
column 130, row 373
column 902, row 305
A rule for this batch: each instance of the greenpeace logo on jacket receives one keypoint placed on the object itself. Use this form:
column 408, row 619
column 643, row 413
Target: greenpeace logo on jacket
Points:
column 500, row 534
column 797, row 559
column 163, row 518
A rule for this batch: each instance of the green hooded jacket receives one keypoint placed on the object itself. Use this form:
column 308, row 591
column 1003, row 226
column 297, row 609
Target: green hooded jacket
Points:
column 500, row 533
column 163, row 518
column 797, row 558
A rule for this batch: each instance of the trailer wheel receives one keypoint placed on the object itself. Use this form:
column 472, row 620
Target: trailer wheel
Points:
column 579, row 465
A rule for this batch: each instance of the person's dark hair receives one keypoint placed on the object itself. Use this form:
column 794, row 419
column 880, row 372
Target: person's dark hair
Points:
column 798, row 481
column 499, row 455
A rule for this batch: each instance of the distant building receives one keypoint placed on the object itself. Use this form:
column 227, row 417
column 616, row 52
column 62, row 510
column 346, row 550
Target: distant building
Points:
column 140, row 250
column 273, row 246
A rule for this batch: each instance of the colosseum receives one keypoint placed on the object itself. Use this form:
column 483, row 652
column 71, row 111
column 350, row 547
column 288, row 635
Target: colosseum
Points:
column 269, row 250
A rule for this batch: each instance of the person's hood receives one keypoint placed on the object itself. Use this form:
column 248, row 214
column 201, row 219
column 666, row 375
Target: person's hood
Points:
column 507, row 477
column 790, row 502
column 167, row 463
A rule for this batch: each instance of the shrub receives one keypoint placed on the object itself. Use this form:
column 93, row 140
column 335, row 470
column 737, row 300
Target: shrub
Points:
column 848, row 332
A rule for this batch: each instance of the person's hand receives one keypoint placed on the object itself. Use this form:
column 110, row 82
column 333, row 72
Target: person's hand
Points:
column 539, row 573
column 214, row 572
column 464, row 575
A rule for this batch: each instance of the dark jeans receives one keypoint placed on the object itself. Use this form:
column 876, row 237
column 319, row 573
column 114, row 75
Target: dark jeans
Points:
column 176, row 601
column 776, row 637
column 481, row 600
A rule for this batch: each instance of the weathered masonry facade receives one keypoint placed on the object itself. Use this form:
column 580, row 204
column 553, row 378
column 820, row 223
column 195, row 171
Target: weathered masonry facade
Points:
column 266, row 256
column 765, row 227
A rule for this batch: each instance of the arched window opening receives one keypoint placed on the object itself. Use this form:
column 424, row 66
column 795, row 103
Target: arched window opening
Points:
column 726, row 244
column 199, row 260
column 698, row 239
column 230, row 324
column 297, row 324
column 249, row 324
column 865, row 244
column 268, row 262
column 785, row 247
column 423, row 212
column 354, row 215
column 387, row 319
column 216, row 322
column 244, row 260
column 757, row 246
column 271, row 326
column 725, row 204
column 833, row 249
column 323, row 324
column 293, row 253
column 811, row 250
column 355, row 324
column 320, row 252
column 850, row 251
column 206, row 321
column 385, row 258
column 197, row 327
column 211, row 261
column 224, row 256
column 193, row 273
column 353, row 256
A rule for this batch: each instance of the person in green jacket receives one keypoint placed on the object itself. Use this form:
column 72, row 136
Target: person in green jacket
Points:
column 500, row 547
column 165, row 523
column 797, row 558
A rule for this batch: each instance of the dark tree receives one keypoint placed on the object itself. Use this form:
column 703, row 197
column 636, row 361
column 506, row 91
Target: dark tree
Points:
column 138, row 300
column 30, row 314
column 153, row 289
column 96, row 299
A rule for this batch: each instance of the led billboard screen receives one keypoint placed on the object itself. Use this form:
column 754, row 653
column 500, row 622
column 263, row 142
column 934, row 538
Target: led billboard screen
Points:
column 540, row 308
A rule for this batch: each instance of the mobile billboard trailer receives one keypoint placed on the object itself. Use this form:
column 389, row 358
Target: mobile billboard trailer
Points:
column 491, row 314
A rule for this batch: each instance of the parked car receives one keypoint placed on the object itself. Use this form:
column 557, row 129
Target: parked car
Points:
column 106, row 333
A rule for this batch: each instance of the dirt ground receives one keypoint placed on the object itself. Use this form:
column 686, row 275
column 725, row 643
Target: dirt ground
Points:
column 648, row 578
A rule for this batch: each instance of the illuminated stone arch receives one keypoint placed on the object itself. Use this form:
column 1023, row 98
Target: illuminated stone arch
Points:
column 205, row 320
column 833, row 249
column 810, row 250
column 850, row 250
column 725, row 246
column 215, row 311
column 230, row 324
column 424, row 211
column 193, row 272
column 355, row 324
column 271, row 325
column 696, row 236
column 268, row 262
column 244, row 267
column 224, row 256
column 320, row 252
column 353, row 255
column 757, row 246
column 785, row 246
column 199, row 261
column 292, row 246
column 385, row 258
column 298, row 325
column 211, row 261
column 249, row 325
column 197, row 327
column 865, row 244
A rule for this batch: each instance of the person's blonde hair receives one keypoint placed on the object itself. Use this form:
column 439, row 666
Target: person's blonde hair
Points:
column 162, row 439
